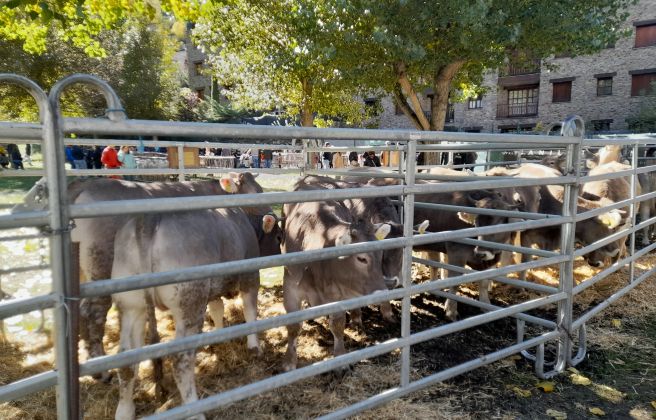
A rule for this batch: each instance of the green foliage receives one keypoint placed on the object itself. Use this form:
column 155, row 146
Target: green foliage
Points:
column 139, row 66
column 282, row 54
column 80, row 22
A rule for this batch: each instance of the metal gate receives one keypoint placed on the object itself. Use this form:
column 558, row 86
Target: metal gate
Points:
column 564, row 329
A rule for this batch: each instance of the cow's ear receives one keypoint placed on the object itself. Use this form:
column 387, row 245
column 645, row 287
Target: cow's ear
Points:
column 467, row 217
column 382, row 230
column 228, row 185
column 612, row 219
column 268, row 223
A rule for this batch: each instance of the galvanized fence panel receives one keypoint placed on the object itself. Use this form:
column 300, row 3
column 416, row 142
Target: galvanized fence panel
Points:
column 565, row 325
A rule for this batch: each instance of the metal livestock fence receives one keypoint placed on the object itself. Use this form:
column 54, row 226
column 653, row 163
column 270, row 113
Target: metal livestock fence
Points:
column 564, row 329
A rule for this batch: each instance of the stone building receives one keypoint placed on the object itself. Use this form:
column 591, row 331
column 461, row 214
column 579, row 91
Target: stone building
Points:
column 191, row 62
column 605, row 88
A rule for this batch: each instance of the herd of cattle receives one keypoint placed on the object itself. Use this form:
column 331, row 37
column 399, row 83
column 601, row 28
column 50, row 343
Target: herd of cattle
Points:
column 119, row 246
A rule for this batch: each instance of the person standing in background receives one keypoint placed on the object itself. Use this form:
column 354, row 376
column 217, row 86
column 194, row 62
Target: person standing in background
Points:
column 77, row 153
column 268, row 157
column 370, row 159
column 110, row 160
column 15, row 156
column 28, row 154
column 128, row 161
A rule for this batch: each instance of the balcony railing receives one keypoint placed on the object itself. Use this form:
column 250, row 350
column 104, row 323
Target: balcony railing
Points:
column 517, row 110
column 515, row 70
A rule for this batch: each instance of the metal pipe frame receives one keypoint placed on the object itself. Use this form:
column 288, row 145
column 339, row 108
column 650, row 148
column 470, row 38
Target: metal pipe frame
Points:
column 54, row 127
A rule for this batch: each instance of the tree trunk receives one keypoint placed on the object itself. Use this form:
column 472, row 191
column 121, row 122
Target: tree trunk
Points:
column 307, row 119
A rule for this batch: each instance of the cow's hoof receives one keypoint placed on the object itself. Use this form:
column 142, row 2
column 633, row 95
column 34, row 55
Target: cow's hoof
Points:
column 256, row 352
column 452, row 315
column 125, row 410
column 104, row 377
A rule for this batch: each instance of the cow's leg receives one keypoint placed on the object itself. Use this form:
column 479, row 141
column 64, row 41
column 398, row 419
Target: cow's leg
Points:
column 249, row 298
column 356, row 319
column 450, row 306
column 292, row 302
column 644, row 215
column 93, row 316
column 188, row 320
column 216, row 312
column 133, row 322
column 337, row 322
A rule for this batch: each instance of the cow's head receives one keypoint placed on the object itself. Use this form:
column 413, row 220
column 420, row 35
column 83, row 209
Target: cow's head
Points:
column 494, row 200
column 240, row 183
column 268, row 231
column 596, row 228
column 362, row 273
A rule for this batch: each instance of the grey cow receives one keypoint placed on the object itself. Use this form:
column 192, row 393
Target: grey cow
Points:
column 156, row 243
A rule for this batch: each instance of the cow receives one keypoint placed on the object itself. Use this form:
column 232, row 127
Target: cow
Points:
column 616, row 189
column 96, row 235
column 154, row 243
column 376, row 210
column 317, row 225
column 551, row 202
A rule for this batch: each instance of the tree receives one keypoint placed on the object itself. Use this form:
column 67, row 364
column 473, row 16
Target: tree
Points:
column 408, row 46
column 281, row 54
column 138, row 65
column 80, row 22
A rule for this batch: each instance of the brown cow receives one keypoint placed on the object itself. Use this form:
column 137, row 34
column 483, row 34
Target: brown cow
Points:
column 317, row 225
column 96, row 235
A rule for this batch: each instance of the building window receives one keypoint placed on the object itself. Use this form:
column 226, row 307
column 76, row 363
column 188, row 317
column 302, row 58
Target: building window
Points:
column 370, row 103
column 521, row 102
column 643, row 83
column 604, row 86
column 475, row 103
column 200, row 93
column 645, row 34
column 601, row 125
column 562, row 91
column 198, row 68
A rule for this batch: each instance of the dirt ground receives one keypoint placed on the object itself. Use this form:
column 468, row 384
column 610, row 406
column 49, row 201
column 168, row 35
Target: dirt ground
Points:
column 618, row 375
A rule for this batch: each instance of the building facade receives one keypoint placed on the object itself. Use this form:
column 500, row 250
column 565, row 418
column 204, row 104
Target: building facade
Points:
column 605, row 89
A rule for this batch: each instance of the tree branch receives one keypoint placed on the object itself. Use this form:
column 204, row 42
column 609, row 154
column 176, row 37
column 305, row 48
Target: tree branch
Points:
column 406, row 86
column 403, row 105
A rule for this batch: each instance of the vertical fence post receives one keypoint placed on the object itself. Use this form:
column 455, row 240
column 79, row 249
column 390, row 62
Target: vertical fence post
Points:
column 73, row 337
column 306, row 157
column 408, row 223
column 181, row 164
column 567, row 244
column 634, row 186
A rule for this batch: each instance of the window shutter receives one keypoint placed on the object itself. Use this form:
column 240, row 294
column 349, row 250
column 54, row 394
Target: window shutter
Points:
column 645, row 36
column 562, row 92
column 641, row 84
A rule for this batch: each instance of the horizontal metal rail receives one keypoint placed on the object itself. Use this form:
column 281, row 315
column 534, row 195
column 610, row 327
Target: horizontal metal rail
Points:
column 27, row 386
column 13, row 307
column 613, row 298
column 28, row 219
column 442, row 376
column 24, row 269
column 507, row 247
column 22, row 237
column 612, row 269
column 277, row 381
column 483, row 211
column 517, row 283
column 489, row 307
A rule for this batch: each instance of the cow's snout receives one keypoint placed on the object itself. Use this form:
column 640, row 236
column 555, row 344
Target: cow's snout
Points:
column 392, row 282
column 612, row 254
column 595, row 264
column 483, row 254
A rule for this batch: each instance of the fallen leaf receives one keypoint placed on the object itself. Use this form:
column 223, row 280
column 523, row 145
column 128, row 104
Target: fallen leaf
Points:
column 580, row 380
column 616, row 323
column 559, row 415
column 597, row 411
column 653, row 404
column 546, row 386
column 573, row 370
column 618, row 361
column 521, row 392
